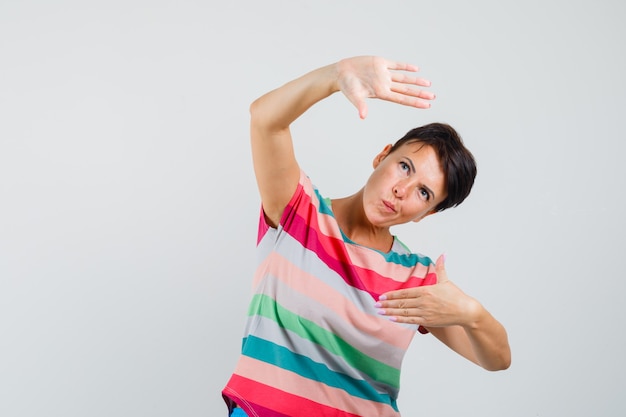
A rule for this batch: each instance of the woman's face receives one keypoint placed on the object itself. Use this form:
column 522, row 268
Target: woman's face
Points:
column 406, row 185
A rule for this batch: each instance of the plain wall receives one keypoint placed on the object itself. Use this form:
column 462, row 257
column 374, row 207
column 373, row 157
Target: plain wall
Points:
column 128, row 205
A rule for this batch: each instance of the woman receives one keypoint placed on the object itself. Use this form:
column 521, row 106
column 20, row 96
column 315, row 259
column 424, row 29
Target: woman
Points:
column 338, row 298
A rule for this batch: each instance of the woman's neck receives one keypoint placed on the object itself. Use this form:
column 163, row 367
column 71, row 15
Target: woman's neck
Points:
column 353, row 222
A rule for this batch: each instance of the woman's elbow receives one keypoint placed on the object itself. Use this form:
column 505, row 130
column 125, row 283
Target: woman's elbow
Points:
column 502, row 363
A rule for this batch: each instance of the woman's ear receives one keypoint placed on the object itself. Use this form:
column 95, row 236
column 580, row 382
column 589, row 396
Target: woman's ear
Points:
column 382, row 155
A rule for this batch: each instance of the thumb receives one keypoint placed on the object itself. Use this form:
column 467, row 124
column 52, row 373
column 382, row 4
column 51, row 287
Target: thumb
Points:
column 362, row 108
column 440, row 269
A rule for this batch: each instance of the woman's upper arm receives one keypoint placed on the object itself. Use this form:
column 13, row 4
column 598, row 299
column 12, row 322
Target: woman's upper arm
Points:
column 275, row 166
column 456, row 339
column 276, row 169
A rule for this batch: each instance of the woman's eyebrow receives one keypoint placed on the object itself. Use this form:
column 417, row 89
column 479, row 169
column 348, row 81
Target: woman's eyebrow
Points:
column 429, row 191
column 410, row 161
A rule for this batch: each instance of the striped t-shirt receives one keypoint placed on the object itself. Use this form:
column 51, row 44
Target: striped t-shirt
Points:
column 314, row 344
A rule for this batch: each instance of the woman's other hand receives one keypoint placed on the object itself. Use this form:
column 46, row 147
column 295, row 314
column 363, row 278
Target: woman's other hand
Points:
column 439, row 305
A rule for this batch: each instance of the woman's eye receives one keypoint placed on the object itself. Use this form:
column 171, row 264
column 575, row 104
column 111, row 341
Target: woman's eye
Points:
column 424, row 194
column 404, row 166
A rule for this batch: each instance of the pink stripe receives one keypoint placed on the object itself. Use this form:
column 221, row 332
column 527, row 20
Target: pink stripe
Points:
column 311, row 390
column 263, row 226
column 315, row 289
column 290, row 405
column 339, row 260
column 378, row 284
column 362, row 256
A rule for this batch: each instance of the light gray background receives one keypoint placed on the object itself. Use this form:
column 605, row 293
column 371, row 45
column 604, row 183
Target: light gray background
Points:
column 128, row 205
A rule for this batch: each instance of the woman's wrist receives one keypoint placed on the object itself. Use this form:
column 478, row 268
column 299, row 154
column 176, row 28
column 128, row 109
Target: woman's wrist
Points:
column 475, row 314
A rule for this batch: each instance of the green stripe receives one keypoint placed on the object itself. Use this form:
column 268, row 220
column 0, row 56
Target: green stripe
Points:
column 284, row 358
column 265, row 306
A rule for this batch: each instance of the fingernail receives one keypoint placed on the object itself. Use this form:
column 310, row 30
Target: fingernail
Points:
column 378, row 305
column 393, row 318
column 382, row 297
column 381, row 312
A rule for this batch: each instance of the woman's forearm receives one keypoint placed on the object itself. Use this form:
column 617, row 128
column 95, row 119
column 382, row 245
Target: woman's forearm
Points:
column 277, row 109
column 489, row 341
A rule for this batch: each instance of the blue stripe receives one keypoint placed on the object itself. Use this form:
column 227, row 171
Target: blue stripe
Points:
column 282, row 357
column 238, row 412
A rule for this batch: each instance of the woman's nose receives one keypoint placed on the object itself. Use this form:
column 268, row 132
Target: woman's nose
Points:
column 398, row 190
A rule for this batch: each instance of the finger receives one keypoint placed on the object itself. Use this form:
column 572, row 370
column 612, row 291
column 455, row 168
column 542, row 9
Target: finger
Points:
column 395, row 295
column 407, row 100
column 362, row 107
column 402, row 66
column 408, row 79
column 410, row 91
column 440, row 269
column 398, row 304
column 406, row 315
column 403, row 312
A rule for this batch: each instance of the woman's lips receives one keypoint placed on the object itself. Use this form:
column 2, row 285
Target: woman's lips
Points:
column 389, row 205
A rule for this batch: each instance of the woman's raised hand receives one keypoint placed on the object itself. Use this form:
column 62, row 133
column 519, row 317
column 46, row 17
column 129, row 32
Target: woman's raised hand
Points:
column 365, row 77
